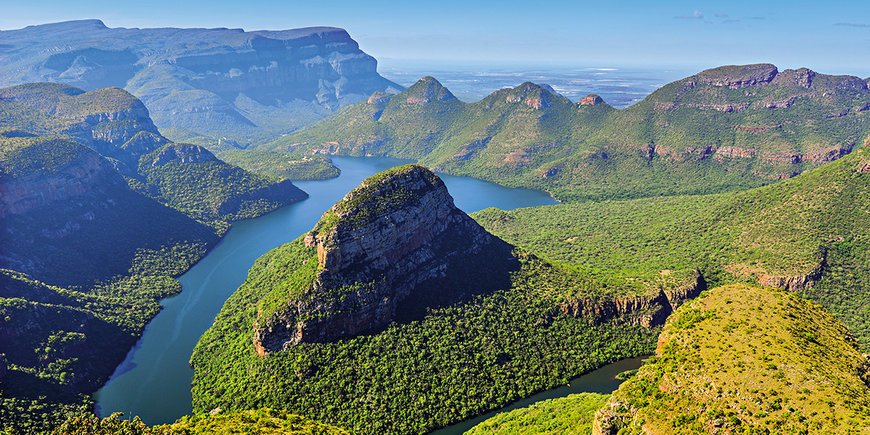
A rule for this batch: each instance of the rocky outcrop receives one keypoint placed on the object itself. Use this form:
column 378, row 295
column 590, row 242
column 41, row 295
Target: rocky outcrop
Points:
column 590, row 100
column 534, row 96
column 738, row 76
column 731, row 152
column 644, row 310
column 391, row 248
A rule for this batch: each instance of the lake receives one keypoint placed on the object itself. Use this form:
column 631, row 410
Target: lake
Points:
column 153, row 382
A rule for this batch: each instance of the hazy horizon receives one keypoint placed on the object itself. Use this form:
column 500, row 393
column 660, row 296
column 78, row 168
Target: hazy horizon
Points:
column 830, row 38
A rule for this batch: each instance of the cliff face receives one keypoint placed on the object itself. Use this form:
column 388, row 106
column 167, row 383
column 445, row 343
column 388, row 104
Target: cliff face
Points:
column 202, row 82
column 85, row 173
column 391, row 248
column 644, row 310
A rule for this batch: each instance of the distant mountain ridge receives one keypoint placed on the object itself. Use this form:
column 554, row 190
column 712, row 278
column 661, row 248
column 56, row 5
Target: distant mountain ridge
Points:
column 202, row 84
column 726, row 128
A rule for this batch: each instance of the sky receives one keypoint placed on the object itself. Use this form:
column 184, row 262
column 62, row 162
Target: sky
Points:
column 828, row 36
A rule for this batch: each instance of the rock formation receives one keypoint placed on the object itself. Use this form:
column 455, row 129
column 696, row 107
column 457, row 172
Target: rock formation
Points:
column 644, row 310
column 391, row 248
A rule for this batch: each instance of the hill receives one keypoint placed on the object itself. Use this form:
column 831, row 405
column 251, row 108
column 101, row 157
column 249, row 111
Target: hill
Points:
column 728, row 128
column 786, row 366
column 807, row 234
column 202, row 84
column 399, row 314
column 566, row 415
column 117, row 125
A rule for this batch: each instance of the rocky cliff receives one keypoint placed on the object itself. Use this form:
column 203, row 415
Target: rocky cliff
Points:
column 391, row 248
column 206, row 83
column 646, row 310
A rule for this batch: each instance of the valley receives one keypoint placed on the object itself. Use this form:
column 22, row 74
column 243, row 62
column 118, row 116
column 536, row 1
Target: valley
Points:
column 225, row 230
column 154, row 380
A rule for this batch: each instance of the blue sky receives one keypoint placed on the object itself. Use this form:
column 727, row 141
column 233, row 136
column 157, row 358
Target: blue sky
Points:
column 829, row 36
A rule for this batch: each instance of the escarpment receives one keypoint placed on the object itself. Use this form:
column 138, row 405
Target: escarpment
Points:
column 645, row 310
column 389, row 250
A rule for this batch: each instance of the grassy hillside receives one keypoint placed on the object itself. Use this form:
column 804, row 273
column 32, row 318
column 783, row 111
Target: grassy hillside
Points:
column 785, row 366
column 567, row 415
column 729, row 128
column 808, row 234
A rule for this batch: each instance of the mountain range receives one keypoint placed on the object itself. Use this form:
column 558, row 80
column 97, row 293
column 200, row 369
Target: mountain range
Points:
column 202, row 85
column 727, row 128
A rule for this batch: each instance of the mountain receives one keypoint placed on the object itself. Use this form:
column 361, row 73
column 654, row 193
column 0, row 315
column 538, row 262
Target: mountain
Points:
column 202, row 84
column 727, row 128
column 117, row 125
column 392, row 247
column 787, row 367
column 397, row 313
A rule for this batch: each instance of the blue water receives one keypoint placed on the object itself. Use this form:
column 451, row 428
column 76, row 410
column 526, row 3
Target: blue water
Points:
column 154, row 380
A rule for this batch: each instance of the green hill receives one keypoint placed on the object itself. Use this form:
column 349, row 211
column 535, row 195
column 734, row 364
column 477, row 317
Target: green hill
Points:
column 98, row 214
column 115, row 124
column 807, row 234
column 728, row 128
column 567, row 415
column 744, row 359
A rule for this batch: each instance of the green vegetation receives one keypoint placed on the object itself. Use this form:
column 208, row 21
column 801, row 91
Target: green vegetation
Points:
column 190, row 179
column 787, row 366
column 456, row 362
column 86, row 252
column 808, row 233
column 699, row 135
column 567, row 415
column 261, row 421
column 282, row 165
column 116, row 125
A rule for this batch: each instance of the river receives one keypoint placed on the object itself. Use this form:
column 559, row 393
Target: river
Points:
column 602, row 380
column 154, row 380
